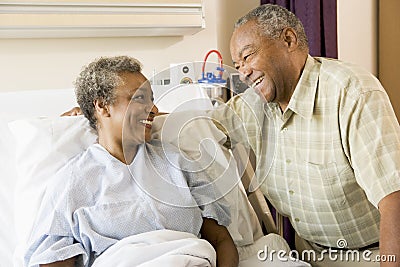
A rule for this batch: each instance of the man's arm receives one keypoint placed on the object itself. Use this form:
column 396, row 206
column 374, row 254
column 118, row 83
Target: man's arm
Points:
column 221, row 240
column 66, row 263
column 389, row 243
column 75, row 111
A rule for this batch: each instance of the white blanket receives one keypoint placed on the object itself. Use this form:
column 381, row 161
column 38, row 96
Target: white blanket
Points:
column 159, row 248
column 169, row 248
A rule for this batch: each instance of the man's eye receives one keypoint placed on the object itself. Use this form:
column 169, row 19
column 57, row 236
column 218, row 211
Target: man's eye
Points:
column 247, row 56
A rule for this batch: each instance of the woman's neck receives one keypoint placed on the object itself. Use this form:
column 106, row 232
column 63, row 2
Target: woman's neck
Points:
column 122, row 152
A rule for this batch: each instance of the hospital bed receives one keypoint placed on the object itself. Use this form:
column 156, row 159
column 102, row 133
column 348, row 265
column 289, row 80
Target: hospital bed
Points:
column 35, row 141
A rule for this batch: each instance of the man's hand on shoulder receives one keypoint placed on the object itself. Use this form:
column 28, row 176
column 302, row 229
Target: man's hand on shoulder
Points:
column 75, row 111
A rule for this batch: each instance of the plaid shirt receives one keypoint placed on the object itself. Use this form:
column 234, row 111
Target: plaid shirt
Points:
column 328, row 160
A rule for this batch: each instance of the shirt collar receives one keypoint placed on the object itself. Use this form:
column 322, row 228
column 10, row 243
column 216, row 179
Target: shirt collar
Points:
column 303, row 98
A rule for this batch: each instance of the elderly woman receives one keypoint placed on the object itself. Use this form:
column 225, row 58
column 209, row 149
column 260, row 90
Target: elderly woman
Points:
column 125, row 184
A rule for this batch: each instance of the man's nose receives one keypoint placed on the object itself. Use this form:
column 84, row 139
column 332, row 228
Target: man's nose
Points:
column 245, row 72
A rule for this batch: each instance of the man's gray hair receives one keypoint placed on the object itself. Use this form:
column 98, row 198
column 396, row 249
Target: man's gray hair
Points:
column 98, row 80
column 272, row 19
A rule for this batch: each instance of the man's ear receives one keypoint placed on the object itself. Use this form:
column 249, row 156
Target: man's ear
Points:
column 289, row 36
column 102, row 109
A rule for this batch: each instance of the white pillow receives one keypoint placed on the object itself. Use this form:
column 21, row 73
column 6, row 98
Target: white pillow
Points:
column 8, row 177
column 44, row 145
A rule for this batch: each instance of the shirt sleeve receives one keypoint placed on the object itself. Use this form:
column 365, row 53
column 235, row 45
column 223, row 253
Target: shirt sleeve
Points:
column 49, row 249
column 374, row 144
column 242, row 119
column 206, row 193
column 229, row 119
column 52, row 238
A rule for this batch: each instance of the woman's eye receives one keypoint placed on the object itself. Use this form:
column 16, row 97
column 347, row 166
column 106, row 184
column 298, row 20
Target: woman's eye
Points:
column 138, row 97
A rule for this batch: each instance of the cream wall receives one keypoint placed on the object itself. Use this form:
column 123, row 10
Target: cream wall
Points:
column 54, row 63
column 228, row 12
column 358, row 32
column 27, row 64
column 389, row 54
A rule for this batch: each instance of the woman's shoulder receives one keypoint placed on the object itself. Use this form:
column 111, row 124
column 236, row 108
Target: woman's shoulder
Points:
column 80, row 161
column 79, row 166
column 167, row 154
column 161, row 148
column 76, row 178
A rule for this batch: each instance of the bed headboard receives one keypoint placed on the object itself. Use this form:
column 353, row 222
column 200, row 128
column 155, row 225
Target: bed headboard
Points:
column 35, row 103
column 52, row 103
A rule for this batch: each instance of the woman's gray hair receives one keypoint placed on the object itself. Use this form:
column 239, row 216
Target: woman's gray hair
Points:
column 272, row 19
column 98, row 80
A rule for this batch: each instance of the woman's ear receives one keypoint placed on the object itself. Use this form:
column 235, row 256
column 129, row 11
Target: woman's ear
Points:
column 289, row 36
column 102, row 109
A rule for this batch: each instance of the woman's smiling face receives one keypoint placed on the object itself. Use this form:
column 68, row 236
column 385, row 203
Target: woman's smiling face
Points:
column 133, row 109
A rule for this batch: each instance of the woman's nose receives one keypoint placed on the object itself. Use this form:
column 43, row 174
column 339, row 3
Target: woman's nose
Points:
column 154, row 109
column 151, row 108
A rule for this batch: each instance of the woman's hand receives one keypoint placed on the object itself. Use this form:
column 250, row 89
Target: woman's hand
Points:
column 66, row 263
column 221, row 240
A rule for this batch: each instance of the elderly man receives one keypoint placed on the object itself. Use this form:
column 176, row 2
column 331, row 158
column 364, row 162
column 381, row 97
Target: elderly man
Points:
column 326, row 139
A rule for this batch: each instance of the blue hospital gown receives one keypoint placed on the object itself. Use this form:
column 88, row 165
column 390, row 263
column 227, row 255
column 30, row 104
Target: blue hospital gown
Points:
column 96, row 200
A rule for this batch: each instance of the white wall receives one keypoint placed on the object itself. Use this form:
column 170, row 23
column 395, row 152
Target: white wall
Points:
column 358, row 32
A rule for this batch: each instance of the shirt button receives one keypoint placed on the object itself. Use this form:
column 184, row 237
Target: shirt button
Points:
column 291, row 192
column 296, row 219
column 288, row 161
column 284, row 130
